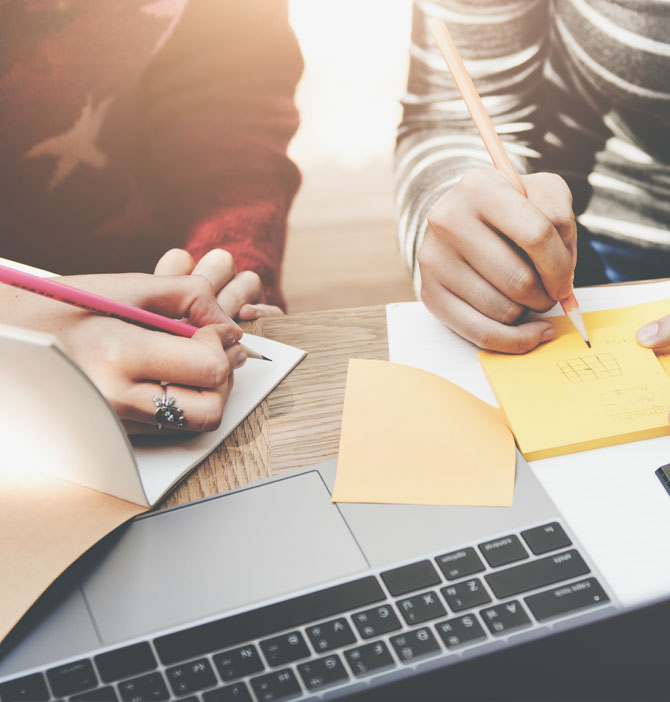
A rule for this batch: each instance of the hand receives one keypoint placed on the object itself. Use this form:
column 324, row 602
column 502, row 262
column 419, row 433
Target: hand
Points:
column 490, row 255
column 128, row 362
column 239, row 294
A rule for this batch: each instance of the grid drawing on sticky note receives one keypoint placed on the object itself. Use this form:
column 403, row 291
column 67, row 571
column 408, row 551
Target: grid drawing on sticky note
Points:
column 588, row 368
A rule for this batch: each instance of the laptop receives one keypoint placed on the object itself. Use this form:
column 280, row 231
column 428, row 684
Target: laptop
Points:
column 273, row 592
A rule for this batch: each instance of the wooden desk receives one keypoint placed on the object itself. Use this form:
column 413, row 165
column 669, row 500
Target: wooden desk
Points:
column 299, row 422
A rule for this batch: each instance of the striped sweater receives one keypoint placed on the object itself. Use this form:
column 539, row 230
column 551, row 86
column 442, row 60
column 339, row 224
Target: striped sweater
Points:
column 576, row 87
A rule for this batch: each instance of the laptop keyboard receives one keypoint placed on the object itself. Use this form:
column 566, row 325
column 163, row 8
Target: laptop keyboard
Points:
column 332, row 637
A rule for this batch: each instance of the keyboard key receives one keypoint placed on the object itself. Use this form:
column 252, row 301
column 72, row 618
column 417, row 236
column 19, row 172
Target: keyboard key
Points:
column 238, row 692
column 459, row 564
column 503, row 551
column 279, row 685
column 465, row 595
column 285, row 648
column 376, row 621
column 460, row 631
column 66, row 680
column 538, row 573
column 369, row 658
column 125, row 662
column 504, row 617
column 30, row 687
column 566, row 598
column 191, row 677
column 414, row 644
column 144, row 689
column 332, row 634
column 261, row 622
column 421, row 608
column 100, row 694
column 238, row 662
column 323, row 672
column 546, row 538
column 410, row 577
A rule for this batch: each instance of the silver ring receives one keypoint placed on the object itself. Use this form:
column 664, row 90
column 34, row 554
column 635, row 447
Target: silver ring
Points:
column 167, row 412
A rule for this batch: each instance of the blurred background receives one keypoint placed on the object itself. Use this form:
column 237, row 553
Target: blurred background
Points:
column 341, row 249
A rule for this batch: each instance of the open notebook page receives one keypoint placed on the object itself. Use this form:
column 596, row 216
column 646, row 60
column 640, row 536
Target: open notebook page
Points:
column 610, row 496
column 161, row 462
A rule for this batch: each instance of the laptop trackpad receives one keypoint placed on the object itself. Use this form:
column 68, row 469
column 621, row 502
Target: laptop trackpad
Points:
column 200, row 560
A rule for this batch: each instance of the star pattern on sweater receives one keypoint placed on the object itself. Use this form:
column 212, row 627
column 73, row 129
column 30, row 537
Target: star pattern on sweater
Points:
column 162, row 9
column 77, row 145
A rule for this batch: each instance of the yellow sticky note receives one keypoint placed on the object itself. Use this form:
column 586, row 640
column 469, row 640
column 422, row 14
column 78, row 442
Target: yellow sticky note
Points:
column 412, row 437
column 563, row 397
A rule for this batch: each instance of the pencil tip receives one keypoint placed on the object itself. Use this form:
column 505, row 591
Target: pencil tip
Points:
column 588, row 343
column 265, row 358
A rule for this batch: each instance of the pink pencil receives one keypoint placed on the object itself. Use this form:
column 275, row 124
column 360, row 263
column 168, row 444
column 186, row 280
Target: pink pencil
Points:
column 491, row 139
column 101, row 305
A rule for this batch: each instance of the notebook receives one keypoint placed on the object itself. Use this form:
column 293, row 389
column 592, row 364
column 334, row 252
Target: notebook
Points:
column 69, row 474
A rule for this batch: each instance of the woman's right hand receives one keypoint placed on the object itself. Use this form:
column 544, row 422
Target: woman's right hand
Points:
column 128, row 363
column 490, row 254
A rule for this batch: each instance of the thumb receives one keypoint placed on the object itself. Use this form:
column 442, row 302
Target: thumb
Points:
column 655, row 335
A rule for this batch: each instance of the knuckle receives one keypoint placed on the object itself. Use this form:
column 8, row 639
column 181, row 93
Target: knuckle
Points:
column 487, row 339
column 200, row 286
column 214, row 371
column 212, row 411
column 522, row 283
column 509, row 311
column 472, row 179
column 538, row 233
column 520, row 344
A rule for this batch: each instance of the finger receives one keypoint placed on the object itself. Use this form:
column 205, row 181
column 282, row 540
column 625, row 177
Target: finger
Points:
column 656, row 335
column 245, row 288
column 199, row 410
column 551, row 194
column 249, row 312
column 218, row 267
column 494, row 259
column 525, row 225
column 467, row 285
column 205, row 361
column 175, row 262
column 479, row 329
column 189, row 296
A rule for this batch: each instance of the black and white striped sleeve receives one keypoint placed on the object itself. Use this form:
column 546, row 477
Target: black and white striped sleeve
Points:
column 503, row 44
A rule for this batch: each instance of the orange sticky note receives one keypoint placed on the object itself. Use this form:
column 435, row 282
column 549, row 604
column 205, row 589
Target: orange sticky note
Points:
column 412, row 437
column 563, row 397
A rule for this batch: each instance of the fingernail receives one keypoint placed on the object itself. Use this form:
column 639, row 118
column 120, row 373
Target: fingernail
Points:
column 548, row 333
column 229, row 339
column 241, row 359
column 647, row 334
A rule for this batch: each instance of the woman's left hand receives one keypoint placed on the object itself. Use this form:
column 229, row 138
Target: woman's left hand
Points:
column 240, row 294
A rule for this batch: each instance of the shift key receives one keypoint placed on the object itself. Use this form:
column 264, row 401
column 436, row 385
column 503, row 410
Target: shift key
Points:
column 537, row 573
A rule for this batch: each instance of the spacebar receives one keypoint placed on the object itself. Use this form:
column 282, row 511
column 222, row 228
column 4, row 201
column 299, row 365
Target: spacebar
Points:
column 266, row 620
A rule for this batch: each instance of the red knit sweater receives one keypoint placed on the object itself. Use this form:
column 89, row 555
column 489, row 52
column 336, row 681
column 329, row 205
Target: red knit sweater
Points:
column 131, row 126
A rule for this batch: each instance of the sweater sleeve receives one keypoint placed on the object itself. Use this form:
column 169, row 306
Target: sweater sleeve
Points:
column 503, row 43
column 219, row 113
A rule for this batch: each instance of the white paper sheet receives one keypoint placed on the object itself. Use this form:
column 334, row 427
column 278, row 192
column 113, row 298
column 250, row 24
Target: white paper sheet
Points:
column 610, row 496
column 167, row 460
